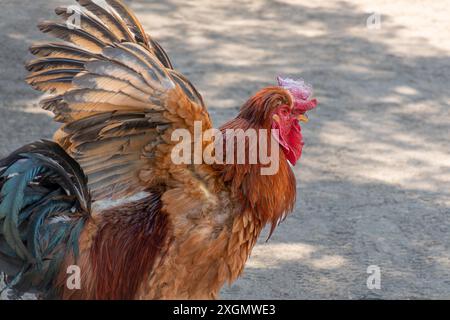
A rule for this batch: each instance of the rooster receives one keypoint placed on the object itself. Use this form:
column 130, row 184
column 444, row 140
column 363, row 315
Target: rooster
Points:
column 106, row 196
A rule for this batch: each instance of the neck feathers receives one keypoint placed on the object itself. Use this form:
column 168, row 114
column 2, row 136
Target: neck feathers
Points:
column 269, row 197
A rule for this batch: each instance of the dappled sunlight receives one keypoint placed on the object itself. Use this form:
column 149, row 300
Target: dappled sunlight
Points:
column 38, row 110
column 328, row 262
column 420, row 29
column 373, row 180
column 384, row 154
column 270, row 255
column 443, row 260
column 275, row 255
column 406, row 90
column 30, row 106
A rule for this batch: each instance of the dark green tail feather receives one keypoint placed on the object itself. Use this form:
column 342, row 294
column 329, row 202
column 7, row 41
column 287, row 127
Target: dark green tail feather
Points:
column 44, row 204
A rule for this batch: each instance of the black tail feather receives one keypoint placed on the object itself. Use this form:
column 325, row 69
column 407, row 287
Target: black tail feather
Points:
column 44, row 204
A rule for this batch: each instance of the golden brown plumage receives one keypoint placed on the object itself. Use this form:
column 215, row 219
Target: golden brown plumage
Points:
column 156, row 230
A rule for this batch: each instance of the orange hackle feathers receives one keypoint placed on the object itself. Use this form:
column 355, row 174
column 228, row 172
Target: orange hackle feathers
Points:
column 268, row 197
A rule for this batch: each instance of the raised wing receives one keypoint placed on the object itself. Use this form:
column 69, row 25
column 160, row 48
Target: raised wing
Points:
column 115, row 91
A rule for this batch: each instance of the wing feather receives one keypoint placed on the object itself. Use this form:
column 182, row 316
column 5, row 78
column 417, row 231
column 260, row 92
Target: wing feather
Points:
column 76, row 36
column 109, row 17
column 117, row 96
column 131, row 20
column 62, row 50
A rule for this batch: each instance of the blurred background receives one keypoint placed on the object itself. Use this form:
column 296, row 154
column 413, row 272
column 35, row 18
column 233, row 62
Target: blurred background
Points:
column 374, row 179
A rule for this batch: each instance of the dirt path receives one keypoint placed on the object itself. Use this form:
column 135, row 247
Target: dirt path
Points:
column 374, row 180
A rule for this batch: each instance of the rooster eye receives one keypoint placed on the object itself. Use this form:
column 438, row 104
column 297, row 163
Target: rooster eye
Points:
column 284, row 111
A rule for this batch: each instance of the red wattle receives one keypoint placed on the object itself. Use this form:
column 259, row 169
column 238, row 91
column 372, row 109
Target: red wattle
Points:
column 295, row 142
column 290, row 141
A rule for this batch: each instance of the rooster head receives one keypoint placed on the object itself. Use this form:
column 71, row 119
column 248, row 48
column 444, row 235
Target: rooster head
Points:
column 281, row 108
column 286, row 118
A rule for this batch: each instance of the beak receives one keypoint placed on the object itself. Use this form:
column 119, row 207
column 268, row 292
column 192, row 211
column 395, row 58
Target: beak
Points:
column 302, row 118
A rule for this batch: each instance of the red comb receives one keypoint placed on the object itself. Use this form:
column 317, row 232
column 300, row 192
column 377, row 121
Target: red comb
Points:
column 301, row 91
column 304, row 106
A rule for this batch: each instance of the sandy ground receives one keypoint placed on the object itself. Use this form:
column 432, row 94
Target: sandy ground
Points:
column 374, row 180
